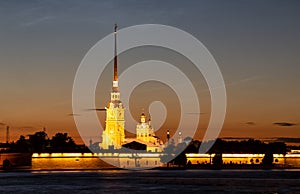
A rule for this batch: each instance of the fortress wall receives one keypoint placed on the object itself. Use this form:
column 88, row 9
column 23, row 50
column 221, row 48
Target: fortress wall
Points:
column 16, row 159
column 289, row 159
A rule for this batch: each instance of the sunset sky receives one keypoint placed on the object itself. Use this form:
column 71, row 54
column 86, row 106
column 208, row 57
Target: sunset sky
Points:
column 255, row 43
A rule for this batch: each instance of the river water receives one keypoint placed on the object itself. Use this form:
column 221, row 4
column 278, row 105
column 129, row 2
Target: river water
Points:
column 157, row 181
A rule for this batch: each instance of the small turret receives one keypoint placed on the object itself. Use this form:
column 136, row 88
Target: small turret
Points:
column 143, row 118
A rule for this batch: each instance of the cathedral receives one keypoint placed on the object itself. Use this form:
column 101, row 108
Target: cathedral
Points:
column 145, row 135
column 113, row 137
column 145, row 132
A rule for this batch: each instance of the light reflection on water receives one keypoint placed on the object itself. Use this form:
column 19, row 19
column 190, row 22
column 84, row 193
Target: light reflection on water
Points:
column 176, row 181
column 68, row 163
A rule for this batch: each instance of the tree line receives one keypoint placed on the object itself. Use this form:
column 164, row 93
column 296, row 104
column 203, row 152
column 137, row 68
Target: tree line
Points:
column 250, row 146
column 41, row 143
column 220, row 147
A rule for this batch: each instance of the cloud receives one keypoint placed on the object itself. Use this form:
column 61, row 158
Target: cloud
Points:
column 96, row 109
column 284, row 124
column 236, row 82
column 38, row 20
column 250, row 123
column 2, row 124
column 73, row 115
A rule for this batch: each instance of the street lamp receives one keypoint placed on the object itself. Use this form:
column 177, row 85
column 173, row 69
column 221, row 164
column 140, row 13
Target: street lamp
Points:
column 168, row 136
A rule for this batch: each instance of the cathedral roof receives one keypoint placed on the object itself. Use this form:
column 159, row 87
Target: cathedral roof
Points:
column 149, row 144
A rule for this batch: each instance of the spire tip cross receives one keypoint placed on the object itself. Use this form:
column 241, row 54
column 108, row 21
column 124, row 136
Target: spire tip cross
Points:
column 116, row 26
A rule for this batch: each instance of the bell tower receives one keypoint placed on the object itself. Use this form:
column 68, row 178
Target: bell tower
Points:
column 114, row 134
column 144, row 130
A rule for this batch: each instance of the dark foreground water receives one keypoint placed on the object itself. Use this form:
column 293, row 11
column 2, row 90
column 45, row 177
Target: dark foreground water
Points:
column 156, row 181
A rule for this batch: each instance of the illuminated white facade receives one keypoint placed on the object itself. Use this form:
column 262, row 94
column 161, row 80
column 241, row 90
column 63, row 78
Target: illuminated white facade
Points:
column 145, row 132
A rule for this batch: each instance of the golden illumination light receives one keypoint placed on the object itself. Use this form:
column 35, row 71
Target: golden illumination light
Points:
column 66, row 155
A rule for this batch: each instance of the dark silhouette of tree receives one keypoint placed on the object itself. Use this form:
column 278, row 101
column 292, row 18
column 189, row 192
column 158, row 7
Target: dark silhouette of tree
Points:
column 249, row 146
column 277, row 147
column 180, row 159
column 193, row 147
column 218, row 147
column 217, row 161
column 61, row 142
column 23, row 145
column 187, row 139
column 168, row 154
column 180, row 151
column 267, row 161
column 39, row 141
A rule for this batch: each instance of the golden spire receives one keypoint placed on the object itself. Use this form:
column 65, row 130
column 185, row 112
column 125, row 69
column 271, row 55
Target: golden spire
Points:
column 115, row 58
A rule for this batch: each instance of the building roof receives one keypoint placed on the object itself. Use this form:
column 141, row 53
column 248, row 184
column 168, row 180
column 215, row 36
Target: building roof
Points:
column 148, row 144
